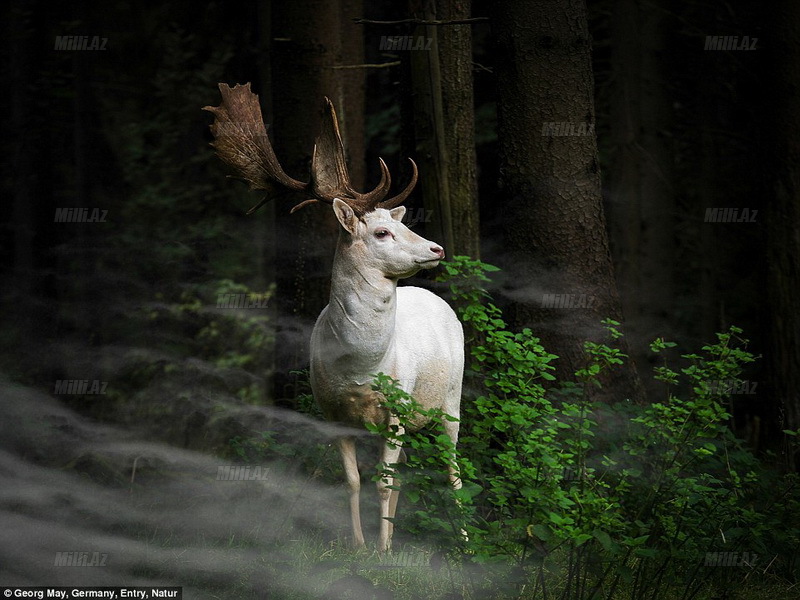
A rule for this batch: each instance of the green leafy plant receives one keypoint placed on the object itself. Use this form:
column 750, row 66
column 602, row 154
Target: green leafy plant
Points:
column 566, row 496
column 440, row 510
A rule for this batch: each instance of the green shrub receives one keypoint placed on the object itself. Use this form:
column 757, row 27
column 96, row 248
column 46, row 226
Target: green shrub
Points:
column 651, row 504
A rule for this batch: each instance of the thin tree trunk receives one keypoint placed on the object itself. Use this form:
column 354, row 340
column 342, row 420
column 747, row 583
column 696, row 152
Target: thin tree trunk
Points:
column 265, row 232
column 556, row 247
column 353, row 82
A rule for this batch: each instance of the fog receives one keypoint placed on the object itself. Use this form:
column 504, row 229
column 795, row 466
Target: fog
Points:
column 151, row 513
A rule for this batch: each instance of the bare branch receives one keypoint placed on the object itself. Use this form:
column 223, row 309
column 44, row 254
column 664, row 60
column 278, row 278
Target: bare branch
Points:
column 479, row 67
column 423, row 21
column 368, row 65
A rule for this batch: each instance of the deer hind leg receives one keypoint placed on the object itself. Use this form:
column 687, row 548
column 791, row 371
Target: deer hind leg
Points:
column 347, row 448
column 387, row 498
column 451, row 428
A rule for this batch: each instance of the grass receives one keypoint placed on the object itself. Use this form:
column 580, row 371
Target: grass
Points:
column 309, row 566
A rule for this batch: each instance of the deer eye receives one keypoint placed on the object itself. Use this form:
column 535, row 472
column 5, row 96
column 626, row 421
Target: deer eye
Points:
column 381, row 233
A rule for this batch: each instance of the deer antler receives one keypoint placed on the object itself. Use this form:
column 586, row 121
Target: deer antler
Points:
column 241, row 141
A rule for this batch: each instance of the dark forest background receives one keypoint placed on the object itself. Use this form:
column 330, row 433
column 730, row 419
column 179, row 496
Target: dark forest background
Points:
column 679, row 130
column 617, row 213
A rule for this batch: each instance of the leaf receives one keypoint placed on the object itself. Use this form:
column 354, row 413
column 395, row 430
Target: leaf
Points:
column 604, row 539
column 625, row 573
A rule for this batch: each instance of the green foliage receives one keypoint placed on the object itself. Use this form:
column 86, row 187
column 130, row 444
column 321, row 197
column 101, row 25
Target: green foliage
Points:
column 260, row 447
column 287, row 449
column 223, row 323
column 439, row 515
column 586, row 500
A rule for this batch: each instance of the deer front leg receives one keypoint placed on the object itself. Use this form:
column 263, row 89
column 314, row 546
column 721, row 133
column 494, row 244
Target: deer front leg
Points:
column 388, row 498
column 347, row 448
column 395, row 496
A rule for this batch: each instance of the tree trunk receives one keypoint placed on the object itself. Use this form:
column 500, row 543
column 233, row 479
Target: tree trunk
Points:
column 431, row 150
column 264, row 233
column 783, row 220
column 641, row 204
column 308, row 42
column 444, row 133
column 556, row 247
column 23, row 152
column 455, row 59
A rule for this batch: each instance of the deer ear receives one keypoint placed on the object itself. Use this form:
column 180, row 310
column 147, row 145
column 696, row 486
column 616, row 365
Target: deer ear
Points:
column 398, row 213
column 345, row 215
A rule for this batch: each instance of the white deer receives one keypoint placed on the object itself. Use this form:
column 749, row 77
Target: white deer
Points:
column 370, row 325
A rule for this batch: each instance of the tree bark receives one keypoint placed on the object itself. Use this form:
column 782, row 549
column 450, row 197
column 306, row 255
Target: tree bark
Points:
column 23, row 153
column 783, row 222
column 641, row 203
column 310, row 37
column 455, row 58
column 555, row 242
column 444, row 132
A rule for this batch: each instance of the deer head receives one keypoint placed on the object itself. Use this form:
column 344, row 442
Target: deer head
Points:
column 379, row 240
column 241, row 141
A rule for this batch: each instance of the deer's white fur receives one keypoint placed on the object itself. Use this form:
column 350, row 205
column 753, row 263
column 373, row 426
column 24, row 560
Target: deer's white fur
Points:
column 369, row 326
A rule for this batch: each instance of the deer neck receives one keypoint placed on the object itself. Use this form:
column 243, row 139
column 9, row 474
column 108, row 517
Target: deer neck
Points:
column 362, row 308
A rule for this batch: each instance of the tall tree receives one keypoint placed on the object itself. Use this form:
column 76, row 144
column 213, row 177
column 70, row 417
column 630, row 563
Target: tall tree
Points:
column 444, row 128
column 310, row 38
column 641, row 204
column 783, row 218
column 555, row 240
column 455, row 57
column 20, row 47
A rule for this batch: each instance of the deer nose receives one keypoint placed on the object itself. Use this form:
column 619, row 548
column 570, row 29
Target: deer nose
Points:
column 438, row 251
